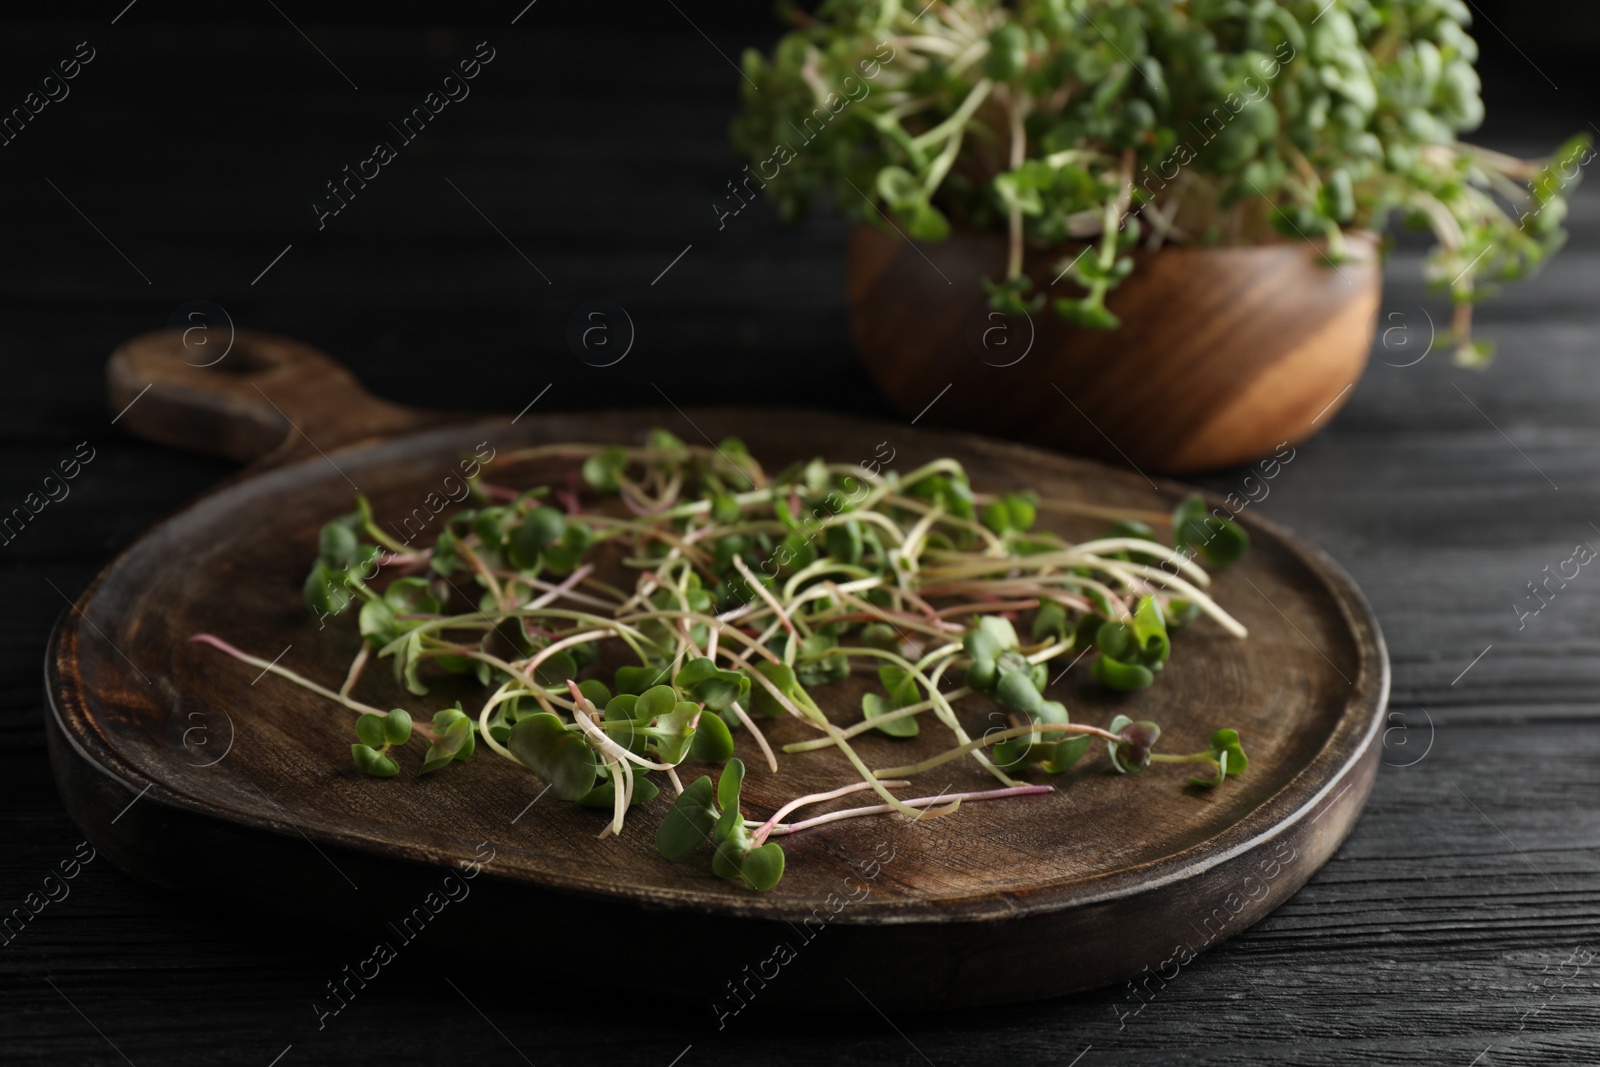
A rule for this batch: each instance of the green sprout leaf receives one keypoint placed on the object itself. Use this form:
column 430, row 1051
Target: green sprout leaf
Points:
column 595, row 691
column 675, row 730
column 701, row 679
column 540, row 527
column 604, row 795
column 560, row 756
column 762, row 867
column 1066, row 754
column 373, row 762
column 688, row 825
column 455, row 742
column 712, row 740
column 337, row 545
column 410, row 596
column 1012, row 512
column 1226, row 755
column 603, row 471
column 1223, row 541
column 902, row 689
column 397, row 727
column 1131, row 754
column 370, row 728
column 783, row 679
column 636, row 680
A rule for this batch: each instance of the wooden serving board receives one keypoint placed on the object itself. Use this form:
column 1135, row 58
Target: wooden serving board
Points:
column 190, row 771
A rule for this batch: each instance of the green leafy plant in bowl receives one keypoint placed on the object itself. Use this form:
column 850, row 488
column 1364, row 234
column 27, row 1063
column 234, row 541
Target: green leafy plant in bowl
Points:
column 1115, row 122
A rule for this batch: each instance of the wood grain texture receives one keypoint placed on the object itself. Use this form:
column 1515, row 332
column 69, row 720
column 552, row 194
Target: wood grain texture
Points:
column 1420, row 942
column 1106, row 877
column 1222, row 354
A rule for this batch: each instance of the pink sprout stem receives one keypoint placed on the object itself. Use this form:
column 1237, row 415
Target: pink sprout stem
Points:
column 815, row 798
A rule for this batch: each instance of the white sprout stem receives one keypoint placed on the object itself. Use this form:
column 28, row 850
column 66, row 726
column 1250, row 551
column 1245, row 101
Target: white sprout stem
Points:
column 565, row 589
column 813, row 798
column 763, row 592
column 992, row 738
column 794, row 599
column 837, row 736
column 503, row 694
column 978, row 754
column 876, row 781
column 910, row 623
column 532, row 664
column 284, row 672
column 1161, row 577
column 916, row 802
column 357, row 665
column 876, row 518
column 871, row 724
column 992, row 541
column 737, row 613
column 755, row 732
column 614, row 824
column 621, row 793
column 1184, row 563
column 988, row 607
column 911, row 549
column 1050, row 652
column 947, row 128
column 648, row 583
column 695, row 616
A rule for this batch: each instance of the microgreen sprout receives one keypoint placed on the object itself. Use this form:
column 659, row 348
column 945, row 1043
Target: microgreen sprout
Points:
column 378, row 734
column 752, row 594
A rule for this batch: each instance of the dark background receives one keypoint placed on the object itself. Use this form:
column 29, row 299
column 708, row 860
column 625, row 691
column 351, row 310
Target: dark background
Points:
column 595, row 141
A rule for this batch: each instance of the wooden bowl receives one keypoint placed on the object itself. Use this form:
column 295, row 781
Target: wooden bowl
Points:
column 1223, row 353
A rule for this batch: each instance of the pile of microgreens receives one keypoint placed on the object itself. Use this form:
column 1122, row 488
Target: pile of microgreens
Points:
column 1106, row 122
column 751, row 592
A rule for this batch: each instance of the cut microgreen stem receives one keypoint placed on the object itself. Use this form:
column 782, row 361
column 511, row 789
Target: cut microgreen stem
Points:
column 992, row 738
column 268, row 667
column 284, row 672
column 815, row 798
column 915, row 802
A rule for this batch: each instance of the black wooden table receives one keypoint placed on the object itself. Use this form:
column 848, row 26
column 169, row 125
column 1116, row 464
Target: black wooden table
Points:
column 1456, row 926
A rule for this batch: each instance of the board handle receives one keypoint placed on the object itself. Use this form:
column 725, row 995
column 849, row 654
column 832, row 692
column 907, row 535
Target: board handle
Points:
column 258, row 397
